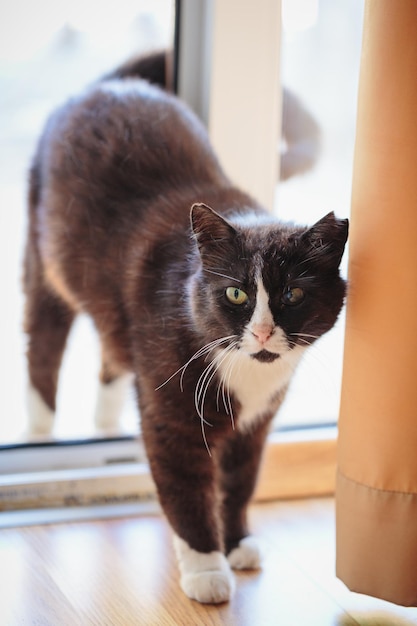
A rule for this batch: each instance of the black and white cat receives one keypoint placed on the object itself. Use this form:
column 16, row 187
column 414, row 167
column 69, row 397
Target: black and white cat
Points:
column 195, row 289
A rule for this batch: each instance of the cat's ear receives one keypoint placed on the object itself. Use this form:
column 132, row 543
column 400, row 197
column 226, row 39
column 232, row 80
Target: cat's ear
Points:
column 327, row 238
column 209, row 228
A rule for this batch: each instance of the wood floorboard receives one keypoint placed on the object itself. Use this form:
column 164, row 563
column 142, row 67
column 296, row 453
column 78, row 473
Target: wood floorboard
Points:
column 122, row 572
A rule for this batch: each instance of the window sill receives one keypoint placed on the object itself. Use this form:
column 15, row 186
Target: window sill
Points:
column 296, row 464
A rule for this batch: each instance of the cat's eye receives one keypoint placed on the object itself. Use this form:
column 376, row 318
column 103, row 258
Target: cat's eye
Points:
column 293, row 295
column 236, row 295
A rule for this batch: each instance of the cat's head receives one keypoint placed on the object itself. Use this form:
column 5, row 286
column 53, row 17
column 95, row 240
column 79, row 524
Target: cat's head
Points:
column 266, row 286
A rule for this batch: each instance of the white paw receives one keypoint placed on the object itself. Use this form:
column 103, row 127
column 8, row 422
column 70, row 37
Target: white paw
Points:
column 208, row 587
column 205, row 577
column 247, row 555
column 110, row 401
column 40, row 416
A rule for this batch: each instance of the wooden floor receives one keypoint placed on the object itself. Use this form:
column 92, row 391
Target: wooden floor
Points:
column 122, row 572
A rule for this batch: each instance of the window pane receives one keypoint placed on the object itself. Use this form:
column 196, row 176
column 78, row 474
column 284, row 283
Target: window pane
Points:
column 47, row 52
column 321, row 46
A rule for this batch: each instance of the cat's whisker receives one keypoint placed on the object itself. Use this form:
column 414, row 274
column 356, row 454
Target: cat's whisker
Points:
column 302, row 343
column 203, row 422
column 204, row 350
column 227, row 401
column 226, row 383
column 221, row 389
column 205, row 379
column 233, row 367
column 305, row 342
column 213, row 345
column 304, row 335
column 221, row 385
column 201, row 389
column 303, row 339
column 202, row 386
column 236, row 280
column 197, row 396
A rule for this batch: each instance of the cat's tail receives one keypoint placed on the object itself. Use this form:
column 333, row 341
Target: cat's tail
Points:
column 301, row 134
column 155, row 67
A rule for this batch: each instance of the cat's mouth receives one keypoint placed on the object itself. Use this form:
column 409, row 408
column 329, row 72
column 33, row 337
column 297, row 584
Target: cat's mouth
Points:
column 264, row 356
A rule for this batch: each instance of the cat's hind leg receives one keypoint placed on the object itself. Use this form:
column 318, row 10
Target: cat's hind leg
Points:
column 111, row 398
column 114, row 384
column 48, row 320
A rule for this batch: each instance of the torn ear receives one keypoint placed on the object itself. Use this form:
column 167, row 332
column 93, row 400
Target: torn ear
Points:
column 209, row 228
column 328, row 237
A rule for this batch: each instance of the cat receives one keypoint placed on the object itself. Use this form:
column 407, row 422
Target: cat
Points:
column 195, row 289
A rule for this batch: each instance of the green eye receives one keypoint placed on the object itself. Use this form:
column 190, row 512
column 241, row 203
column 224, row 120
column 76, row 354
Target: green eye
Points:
column 293, row 295
column 236, row 296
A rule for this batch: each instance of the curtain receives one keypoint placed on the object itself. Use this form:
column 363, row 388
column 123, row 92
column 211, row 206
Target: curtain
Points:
column 376, row 495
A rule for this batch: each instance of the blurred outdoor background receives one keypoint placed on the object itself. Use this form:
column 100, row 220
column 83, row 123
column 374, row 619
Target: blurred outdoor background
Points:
column 48, row 51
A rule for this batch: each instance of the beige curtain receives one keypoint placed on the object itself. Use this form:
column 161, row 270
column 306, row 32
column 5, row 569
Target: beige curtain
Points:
column 376, row 498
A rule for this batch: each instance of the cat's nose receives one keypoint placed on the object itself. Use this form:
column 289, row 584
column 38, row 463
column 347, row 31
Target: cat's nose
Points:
column 262, row 332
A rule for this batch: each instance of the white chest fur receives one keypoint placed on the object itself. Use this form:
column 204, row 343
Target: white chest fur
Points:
column 254, row 384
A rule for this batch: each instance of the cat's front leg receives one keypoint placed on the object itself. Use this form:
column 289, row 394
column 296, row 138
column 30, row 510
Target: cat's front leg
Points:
column 239, row 461
column 185, row 476
column 246, row 555
column 205, row 577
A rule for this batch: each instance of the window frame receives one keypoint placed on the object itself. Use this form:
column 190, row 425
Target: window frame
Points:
column 297, row 462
